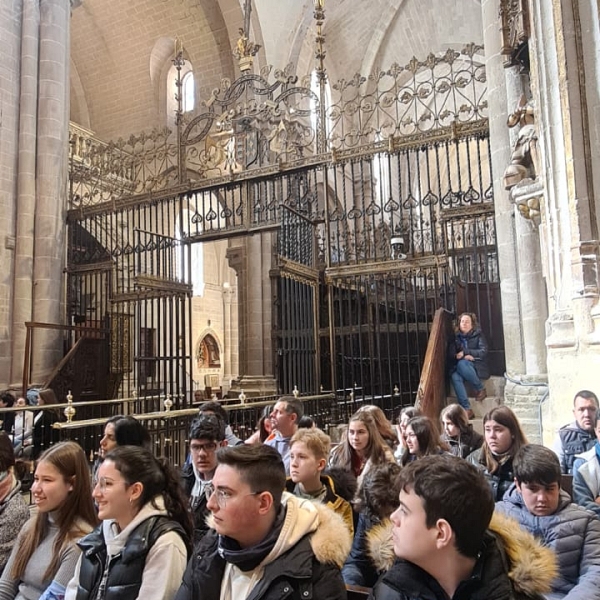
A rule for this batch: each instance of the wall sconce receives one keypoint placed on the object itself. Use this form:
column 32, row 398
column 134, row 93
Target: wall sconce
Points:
column 398, row 247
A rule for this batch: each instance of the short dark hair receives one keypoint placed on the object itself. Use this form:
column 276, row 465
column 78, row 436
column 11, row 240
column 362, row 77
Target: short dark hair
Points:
column 130, row 432
column 7, row 453
column 379, row 491
column 587, row 395
column 215, row 408
column 293, row 405
column 306, row 422
column 207, row 427
column 261, row 467
column 536, row 464
column 7, row 398
column 452, row 489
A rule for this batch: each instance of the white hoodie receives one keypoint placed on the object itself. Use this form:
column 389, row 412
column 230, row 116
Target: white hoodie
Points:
column 165, row 563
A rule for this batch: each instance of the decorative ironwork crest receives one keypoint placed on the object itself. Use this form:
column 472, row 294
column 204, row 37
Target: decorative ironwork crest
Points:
column 419, row 97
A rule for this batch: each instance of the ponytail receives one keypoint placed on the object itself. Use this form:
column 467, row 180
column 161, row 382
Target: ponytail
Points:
column 158, row 478
column 175, row 501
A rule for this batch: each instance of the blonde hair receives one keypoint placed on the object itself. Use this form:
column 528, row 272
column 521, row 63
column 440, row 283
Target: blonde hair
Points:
column 318, row 442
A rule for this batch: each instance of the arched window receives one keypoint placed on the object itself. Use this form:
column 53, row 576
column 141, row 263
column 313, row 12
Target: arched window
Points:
column 196, row 256
column 188, row 92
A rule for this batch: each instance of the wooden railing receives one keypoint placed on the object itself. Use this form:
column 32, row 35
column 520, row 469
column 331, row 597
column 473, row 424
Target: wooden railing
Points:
column 431, row 395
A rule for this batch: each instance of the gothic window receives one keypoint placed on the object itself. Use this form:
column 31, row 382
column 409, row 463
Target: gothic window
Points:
column 188, row 92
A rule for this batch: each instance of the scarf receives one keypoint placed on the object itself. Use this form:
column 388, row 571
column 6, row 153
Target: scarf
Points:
column 247, row 559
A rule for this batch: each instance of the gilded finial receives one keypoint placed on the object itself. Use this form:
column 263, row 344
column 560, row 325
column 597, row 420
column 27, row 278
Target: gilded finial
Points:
column 69, row 411
column 245, row 50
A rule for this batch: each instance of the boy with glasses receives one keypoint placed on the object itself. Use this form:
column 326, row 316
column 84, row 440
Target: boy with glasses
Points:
column 207, row 434
column 264, row 543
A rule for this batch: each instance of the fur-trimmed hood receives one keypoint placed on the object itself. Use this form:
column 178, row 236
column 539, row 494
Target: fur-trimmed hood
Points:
column 531, row 566
column 330, row 539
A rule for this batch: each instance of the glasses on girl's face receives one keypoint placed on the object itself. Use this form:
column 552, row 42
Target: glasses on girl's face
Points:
column 106, row 484
column 223, row 495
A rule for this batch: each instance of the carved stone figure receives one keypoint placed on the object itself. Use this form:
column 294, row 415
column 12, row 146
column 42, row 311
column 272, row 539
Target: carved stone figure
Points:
column 525, row 163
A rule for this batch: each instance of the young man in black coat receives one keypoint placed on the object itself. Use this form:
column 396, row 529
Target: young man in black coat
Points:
column 440, row 534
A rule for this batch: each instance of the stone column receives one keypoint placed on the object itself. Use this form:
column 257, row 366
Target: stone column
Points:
column 252, row 262
column 522, row 284
column 504, row 209
column 51, row 174
column 22, row 300
column 566, row 54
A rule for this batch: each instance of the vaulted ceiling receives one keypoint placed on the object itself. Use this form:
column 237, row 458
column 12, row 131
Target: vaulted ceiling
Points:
column 120, row 51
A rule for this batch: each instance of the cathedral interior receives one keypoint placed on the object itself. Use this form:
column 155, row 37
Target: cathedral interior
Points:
column 236, row 197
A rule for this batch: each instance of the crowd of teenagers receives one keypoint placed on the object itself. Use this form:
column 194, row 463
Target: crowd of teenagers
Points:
column 411, row 509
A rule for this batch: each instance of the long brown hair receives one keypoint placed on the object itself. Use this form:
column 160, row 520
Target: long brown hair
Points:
column 375, row 450
column 383, row 424
column 507, row 418
column 428, row 437
column 68, row 458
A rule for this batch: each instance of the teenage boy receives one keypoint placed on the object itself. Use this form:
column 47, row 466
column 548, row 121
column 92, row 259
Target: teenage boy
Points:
column 309, row 449
column 542, row 508
column 207, row 435
column 266, row 544
column 440, row 534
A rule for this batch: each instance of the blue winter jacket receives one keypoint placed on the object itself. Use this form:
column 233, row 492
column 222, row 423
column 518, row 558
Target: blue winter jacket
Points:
column 574, row 535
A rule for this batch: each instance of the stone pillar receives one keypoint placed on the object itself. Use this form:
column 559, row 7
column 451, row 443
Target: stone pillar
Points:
column 504, row 209
column 230, row 334
column 11, row 14
column 22, row 300
column 51, row 174
column 565, row 52
column 522, row 285
column 252, row 262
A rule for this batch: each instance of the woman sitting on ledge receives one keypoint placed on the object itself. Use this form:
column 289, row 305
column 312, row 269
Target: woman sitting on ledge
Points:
column 467, row 360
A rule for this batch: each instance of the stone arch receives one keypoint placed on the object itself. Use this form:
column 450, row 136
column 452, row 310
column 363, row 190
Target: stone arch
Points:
column 208, row 351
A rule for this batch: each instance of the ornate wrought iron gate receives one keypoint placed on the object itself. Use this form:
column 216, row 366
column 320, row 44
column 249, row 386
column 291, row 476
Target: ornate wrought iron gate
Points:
column 391, row 220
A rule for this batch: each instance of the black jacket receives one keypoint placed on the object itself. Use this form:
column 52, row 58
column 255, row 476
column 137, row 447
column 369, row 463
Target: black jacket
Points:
column 126, row 568
column 499, row 481
column 489, row 580
column 465, row 444
column 199, row 507
column 43, row 434
column 309, row 570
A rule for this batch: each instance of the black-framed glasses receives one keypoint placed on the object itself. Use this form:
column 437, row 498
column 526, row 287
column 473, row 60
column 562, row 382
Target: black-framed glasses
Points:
column 208, row 447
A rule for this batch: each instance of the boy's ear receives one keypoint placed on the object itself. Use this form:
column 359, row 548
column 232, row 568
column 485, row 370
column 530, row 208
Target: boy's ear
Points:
column 321, row 465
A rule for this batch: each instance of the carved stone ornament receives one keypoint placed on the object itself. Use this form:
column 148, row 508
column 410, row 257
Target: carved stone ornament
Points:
column 514, row 17
column 524, row 161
